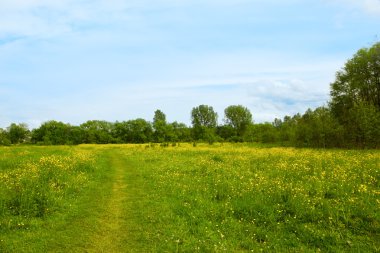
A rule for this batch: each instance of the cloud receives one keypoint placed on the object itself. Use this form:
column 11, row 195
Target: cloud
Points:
column 371, row 7
column 46, row 19
column 75, row 60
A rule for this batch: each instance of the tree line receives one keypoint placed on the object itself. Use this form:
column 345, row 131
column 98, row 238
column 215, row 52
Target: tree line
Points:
column 350, row 119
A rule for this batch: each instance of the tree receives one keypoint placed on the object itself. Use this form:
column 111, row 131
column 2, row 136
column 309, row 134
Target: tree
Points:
column 52, row 133
column 357, row 83
column 97, row 131
column 133, row 131
column 263, row 132
column 238, row 117
column 159, row 116
column 204, row 116
column 18, row 133
column 226, row 132
column 4, row 138
column 160, row 126
column 180, row 132
column 204, row 120
column 355, row 97
column 364, row 127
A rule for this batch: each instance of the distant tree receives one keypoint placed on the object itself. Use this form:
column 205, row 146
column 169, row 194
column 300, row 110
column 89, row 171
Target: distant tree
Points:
column 226, row 132
column 263, row 132
column 159, row 116
column 287, row 129
column 133, row 131
column 315, row 128
column 180, row 132
column 76, row 135
column 52, row 133
column 161, row 128
column 97, row 131
column 327, row 132
column 204, row 120
column 238, row 117
column 18, row 133
column 277, row 123
column 204, row 116
column 4, row 138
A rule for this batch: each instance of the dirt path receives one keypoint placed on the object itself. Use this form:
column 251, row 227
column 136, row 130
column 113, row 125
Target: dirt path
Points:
column 111, row 225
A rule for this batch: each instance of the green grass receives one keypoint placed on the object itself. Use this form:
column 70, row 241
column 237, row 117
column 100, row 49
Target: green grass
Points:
column 235, row 198
column 224, row 197
column 68, row 197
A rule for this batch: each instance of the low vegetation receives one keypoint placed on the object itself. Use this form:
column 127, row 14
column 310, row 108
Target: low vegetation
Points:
column 188, row 198
column 238, row 198
column 49, row 197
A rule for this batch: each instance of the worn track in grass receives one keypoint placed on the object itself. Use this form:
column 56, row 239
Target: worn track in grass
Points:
column 112, row 230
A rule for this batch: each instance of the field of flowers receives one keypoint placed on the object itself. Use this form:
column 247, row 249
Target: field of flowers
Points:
column 38, row 182
column 234, row 197
column 190, row 198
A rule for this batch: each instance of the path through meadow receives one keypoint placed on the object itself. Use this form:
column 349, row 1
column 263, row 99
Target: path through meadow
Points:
column 113, row 230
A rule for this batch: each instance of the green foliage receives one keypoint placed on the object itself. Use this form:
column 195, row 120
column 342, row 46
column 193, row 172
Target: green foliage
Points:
column 161, row 129
column 204, row 120
column 238, row 117
column 264, row 132
column 364, row 127
column 159, row 116
column 4, row 138
column 355, row 98
column 204, row 116
column 97, row 132
column 52, row 133
column 357, row 83
column 133, row 131
column 179, row 132
column 17, row 133
column 226, row 132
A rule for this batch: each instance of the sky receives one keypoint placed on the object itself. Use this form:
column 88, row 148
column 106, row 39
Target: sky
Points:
column 116, row 60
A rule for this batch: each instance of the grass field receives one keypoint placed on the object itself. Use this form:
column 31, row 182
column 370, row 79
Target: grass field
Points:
column 208, row 198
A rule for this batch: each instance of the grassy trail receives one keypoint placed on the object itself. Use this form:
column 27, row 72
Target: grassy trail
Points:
column 117, row 226
column 111, row 223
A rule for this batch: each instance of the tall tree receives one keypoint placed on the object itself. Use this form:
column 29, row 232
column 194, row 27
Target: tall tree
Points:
column 159, row 116
column 239, row 117
column 204, row 120
column 355, row 97
column 357, row 83
column 161, row 129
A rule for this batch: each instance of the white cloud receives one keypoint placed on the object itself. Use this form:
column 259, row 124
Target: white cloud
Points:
column 369, row 6
column 135, row 58
column 46, row 18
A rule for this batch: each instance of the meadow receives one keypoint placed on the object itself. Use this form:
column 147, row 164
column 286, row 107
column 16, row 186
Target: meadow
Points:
column 188, row 198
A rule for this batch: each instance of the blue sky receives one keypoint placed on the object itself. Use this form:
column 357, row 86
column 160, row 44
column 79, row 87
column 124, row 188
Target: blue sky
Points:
column 79, row 60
